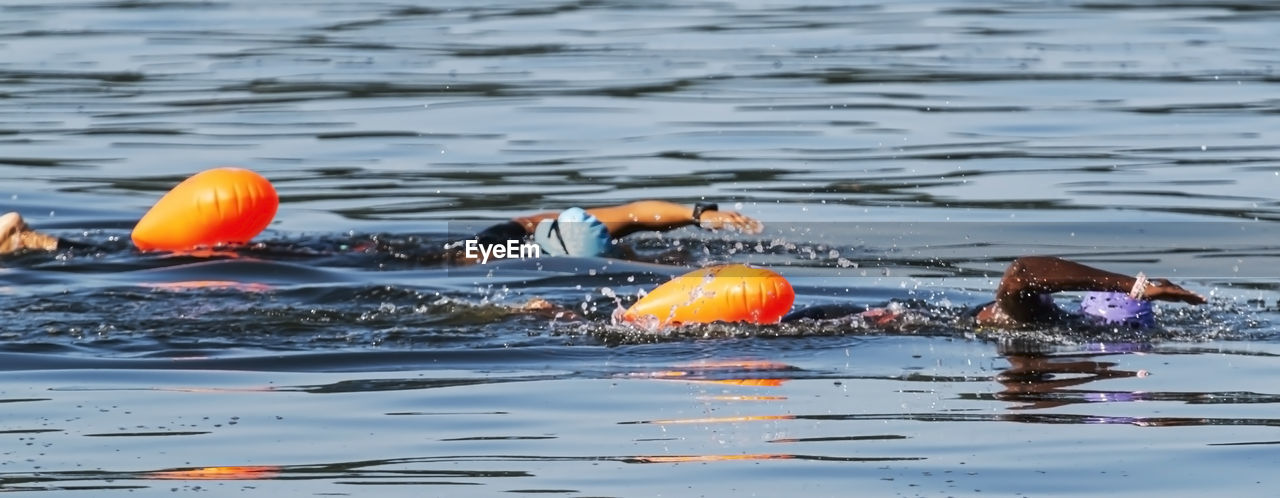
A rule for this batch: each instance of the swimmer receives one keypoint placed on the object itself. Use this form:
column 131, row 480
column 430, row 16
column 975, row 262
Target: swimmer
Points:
column 737, row 293
column 1025, row 297
column 16, row 235
column 572, row 232
column 591, row 232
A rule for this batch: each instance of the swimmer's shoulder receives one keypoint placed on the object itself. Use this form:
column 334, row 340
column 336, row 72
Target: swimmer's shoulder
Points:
column 824, row 312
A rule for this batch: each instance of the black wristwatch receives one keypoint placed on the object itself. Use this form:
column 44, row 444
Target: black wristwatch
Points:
column 700, row 208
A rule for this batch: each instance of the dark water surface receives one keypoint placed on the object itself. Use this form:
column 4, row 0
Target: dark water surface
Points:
column 898, row 153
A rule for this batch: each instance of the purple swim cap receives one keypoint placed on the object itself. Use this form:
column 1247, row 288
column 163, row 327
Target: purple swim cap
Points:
column 1117, row 308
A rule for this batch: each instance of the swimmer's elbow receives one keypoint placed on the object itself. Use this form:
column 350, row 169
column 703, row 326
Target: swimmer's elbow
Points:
column 1030, row 273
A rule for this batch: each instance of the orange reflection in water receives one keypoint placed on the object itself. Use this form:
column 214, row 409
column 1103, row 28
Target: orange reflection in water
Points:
column 233, row 473
column 682, row 372
column 750, row 382
column 222, row 251
column 209, row 284
column 711, row 458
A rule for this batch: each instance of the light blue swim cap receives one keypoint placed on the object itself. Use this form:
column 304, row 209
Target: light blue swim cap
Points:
column 573, row 233
column 1117, row 308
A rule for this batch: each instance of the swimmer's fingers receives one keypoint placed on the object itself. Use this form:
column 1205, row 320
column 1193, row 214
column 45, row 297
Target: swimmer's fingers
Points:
column 1164, row 290
column 719, row 220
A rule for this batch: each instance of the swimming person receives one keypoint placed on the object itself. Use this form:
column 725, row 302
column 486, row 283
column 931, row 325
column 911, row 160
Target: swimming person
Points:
column 217, row 206
column 737, row 293
column 571, row 232
column 591, row 232
column 1025, row 297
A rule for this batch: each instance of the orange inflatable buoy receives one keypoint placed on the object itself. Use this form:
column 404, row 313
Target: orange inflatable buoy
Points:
column 726, row 293
column 216, row 206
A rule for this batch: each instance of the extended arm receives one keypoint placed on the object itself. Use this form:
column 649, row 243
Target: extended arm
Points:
column 1019, row 297
column 641, row 216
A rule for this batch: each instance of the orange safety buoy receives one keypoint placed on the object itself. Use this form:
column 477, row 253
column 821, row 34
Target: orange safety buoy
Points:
column 216, row 206
column 726, row 293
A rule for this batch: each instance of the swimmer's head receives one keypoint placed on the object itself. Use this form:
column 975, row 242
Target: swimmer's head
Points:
column 1118, row 309
column 573, row 233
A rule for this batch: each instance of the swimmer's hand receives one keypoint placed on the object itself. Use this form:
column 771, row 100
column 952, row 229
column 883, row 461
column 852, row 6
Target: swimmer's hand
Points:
column 16, row 235
column 537, row 304
column 879, row 316
column 1161, row 289
column 544, row 308
column 733, row 220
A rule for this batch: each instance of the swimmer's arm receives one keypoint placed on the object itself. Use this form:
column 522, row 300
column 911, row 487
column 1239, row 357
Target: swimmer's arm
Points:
column 658, row 216
column 15, row 235
column 1046, row 275
column 661, row 216
column 39, row 241
column 1029, row 277
column 530, row 223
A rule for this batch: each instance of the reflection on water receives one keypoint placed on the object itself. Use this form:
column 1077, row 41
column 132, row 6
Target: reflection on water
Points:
column 899, row 153
column 906, row 411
